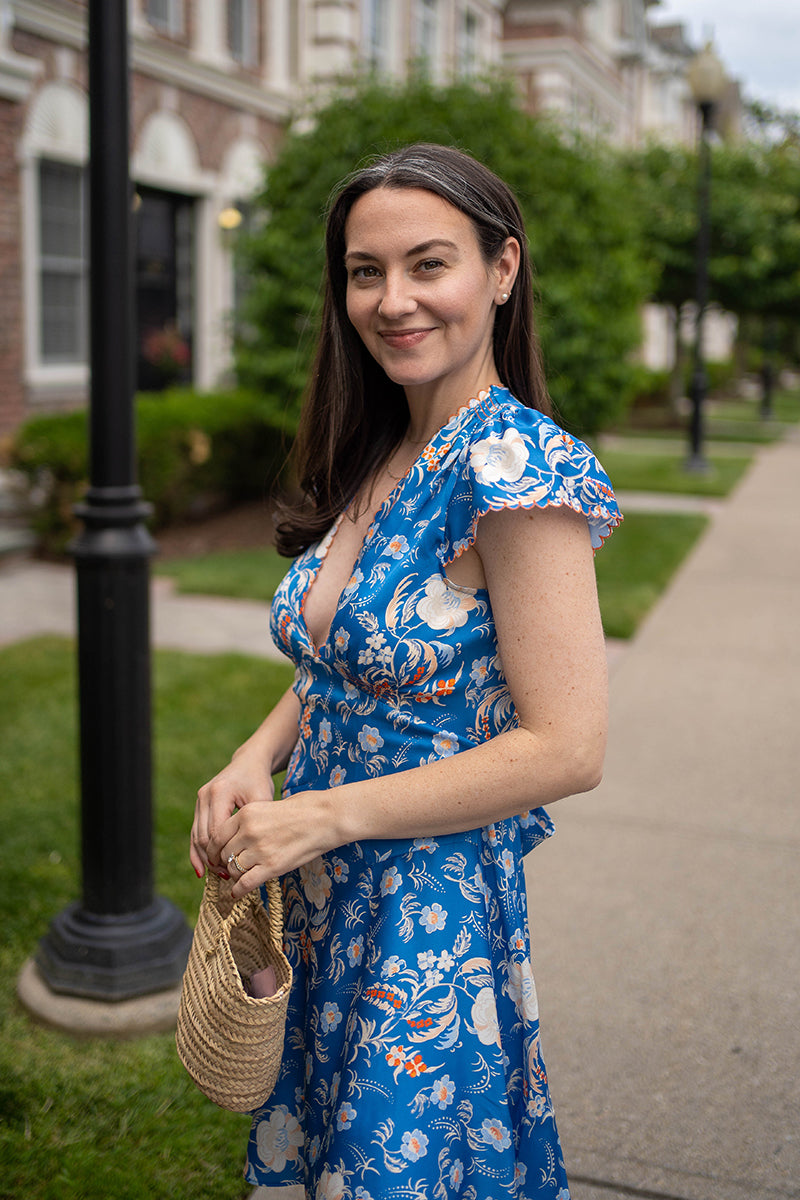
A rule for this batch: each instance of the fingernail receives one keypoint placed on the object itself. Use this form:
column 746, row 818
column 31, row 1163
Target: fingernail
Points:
column 199, row 874
column 224, row 875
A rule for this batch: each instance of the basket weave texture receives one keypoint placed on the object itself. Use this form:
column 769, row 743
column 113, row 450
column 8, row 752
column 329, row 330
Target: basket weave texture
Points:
column 230, row 1042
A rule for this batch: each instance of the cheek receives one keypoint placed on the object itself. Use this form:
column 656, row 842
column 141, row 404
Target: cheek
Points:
column 357, row 309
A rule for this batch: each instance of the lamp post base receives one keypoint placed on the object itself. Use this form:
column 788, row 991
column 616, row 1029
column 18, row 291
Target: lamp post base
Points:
column 696, row 464
column 115, row 957
column 156, row 1013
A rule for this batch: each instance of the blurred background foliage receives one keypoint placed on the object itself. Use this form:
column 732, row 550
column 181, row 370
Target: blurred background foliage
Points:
column 592, row 270
column 609, row 230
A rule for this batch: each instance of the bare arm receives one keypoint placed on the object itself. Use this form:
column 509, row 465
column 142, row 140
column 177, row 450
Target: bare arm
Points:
column 540, row 575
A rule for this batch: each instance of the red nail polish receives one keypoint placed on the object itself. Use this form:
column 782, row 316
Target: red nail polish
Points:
column 224, row 875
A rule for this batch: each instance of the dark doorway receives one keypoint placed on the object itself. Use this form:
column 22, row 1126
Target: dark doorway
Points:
column 164, row 289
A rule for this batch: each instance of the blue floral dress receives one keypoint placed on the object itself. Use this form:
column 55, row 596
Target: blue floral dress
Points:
column 412, row 1066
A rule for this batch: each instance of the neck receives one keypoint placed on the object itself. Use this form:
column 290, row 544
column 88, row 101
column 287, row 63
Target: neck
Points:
column 428, row 411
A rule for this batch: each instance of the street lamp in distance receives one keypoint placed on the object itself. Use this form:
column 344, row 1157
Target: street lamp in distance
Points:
column 708, row 83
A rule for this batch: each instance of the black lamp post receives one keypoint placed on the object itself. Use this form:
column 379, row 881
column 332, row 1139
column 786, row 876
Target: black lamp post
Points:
column 707, row 82
column 120, row 941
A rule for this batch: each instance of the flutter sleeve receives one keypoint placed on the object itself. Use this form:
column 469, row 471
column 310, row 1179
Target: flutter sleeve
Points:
column 519, row 458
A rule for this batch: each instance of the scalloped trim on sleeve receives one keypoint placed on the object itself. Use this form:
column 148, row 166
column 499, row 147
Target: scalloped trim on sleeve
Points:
column 518, row 458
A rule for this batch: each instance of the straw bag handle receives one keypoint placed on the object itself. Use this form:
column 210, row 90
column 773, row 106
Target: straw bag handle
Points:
column 248, row 901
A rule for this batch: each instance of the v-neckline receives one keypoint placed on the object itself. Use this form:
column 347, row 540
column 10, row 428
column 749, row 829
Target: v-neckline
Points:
column 381, row 512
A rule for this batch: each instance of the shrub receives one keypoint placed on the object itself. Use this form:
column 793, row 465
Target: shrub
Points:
column 195, row 450
column 592, row 274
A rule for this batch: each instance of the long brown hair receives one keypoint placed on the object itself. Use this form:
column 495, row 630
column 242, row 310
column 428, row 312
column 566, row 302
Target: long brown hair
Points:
column 354, row 415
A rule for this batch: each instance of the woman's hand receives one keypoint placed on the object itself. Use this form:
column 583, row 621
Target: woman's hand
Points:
column 245, row 780
column 264, row 840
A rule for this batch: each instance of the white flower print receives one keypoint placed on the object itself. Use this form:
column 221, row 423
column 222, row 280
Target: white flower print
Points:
column 325, row 735
column 337, row 776
column 494, row 458
column 377, row 651
column 560, row 450
column 484, row 1017
column 522, row 989
column 316, row 882
column 278, row 1139
column 331, row 1186
column 442, row 607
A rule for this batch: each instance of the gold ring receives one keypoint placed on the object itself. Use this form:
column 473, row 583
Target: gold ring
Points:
column 232, row 858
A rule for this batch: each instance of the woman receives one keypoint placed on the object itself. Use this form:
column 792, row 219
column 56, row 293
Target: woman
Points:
column 450, row 677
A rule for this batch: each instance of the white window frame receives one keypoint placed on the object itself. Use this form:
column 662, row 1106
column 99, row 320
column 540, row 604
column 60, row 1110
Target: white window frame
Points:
column 172, row 22
column 74, row 267
column 246, row 53
column 427, row 31
column 469, row 40
column 376, row 34
column 56, row 129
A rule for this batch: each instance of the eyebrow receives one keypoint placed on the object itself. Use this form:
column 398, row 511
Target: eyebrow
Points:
column 422, row 248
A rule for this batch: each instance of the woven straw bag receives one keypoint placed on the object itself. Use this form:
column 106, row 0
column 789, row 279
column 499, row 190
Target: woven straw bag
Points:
column 231, row 1043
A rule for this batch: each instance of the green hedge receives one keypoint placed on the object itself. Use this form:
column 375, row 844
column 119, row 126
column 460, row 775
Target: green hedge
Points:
column 195, row 450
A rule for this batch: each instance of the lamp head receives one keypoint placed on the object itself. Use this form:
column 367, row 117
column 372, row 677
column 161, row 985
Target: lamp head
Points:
column 706, row 76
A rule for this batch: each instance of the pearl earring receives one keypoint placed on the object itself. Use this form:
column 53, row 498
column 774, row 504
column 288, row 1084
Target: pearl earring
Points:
column 504, row 296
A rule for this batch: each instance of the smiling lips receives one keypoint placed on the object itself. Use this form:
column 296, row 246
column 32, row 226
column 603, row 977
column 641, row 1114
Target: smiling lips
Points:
column 403, row 339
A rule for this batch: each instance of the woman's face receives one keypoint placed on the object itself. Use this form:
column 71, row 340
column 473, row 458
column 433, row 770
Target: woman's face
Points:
column 420, row 294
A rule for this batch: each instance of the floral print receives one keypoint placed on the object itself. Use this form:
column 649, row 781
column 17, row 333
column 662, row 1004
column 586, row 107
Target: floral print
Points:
column 412, row 1064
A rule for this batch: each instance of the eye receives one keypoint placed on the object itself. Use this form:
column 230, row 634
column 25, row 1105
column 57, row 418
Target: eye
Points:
column 429, row 265
column 364, row 273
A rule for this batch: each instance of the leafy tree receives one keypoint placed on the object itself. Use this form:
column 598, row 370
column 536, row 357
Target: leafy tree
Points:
column 583, row 237
column 754, row 267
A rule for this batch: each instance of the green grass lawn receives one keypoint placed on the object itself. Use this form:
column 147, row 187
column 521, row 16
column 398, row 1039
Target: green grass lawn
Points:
column 656, row 471
column 241, row 574
column 90, row 1119
column 638, row 561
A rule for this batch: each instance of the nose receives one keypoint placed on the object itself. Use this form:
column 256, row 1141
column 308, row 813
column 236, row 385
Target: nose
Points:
column 397, row 299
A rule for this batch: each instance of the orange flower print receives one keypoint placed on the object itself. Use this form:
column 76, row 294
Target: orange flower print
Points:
column 415, row 1066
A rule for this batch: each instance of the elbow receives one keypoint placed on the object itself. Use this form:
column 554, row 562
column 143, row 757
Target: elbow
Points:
column 586, row 767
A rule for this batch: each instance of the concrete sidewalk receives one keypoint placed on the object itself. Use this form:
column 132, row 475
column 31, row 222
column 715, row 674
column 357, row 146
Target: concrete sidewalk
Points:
column 38, row 598
column 666, row 911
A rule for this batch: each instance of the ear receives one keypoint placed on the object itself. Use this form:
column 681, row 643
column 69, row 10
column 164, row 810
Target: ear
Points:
column 506, row 268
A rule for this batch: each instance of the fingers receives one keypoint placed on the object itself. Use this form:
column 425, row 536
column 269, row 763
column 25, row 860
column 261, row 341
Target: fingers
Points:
column 217, row 801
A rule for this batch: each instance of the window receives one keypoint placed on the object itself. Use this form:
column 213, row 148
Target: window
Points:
column 62, row 263
column 468, row 43
column 243, row 32
column 376, row 33
column 166, row 15
column 425, row 42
